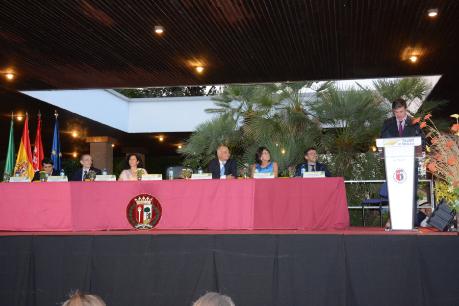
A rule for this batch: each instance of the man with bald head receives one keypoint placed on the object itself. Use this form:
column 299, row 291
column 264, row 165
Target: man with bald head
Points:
column 223, row 167
column 86, row 166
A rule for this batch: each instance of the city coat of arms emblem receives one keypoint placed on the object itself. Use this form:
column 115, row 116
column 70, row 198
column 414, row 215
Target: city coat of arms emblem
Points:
column 143, row 211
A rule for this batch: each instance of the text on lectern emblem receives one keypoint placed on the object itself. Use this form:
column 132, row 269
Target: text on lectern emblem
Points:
column 399, row 175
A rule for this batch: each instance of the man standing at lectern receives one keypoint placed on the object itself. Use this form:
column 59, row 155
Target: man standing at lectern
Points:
column 400, row 125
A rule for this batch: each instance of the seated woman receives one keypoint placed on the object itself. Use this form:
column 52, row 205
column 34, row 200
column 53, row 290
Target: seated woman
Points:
column 263, row 163
column 133, row 164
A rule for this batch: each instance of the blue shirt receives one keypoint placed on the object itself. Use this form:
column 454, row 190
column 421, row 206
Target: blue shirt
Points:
column 268, row 169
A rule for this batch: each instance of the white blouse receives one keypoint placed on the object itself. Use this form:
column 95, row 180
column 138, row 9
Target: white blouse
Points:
column 126, row 175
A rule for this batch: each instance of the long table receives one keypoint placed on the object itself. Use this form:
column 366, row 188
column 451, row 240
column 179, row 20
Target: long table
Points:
column 314, row 204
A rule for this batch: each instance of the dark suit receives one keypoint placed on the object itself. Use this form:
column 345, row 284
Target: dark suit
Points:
column 78, row 175
column 230, row 168
column 390, row 129
column 36, row 176
column 319, row 167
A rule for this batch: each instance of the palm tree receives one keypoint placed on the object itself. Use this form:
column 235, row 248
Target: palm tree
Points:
column 351, row 119
column 201, row 146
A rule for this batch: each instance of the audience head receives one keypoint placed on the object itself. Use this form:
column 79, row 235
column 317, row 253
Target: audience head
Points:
column 86, row 161
column 399, row 108
column 81, row 299
column 133, row 160
column 311, row 155
column 214, row 299
column 223, row 153
column 262, row 154
column 47, row 165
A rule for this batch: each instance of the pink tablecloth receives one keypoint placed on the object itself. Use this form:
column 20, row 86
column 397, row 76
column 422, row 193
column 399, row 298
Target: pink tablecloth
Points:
column 318, row 203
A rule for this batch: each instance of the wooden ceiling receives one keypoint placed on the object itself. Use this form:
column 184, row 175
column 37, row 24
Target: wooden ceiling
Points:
column 111, row 43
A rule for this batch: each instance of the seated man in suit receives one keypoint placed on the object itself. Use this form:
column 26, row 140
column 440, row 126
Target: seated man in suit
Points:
column 86, row 166
column 47, row 166
column 311, row 164
column 223, row 166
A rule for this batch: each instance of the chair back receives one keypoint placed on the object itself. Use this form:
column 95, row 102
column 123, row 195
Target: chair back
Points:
column 383, row 193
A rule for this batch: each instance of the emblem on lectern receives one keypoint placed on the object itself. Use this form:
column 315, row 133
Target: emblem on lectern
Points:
column 143, row 211
column 399, row 175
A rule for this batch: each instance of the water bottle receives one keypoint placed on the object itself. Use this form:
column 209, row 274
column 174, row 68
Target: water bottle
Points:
column 199, row 170
column 170, row 174
column 104, row 171
column 62, row 172
column 303, row 170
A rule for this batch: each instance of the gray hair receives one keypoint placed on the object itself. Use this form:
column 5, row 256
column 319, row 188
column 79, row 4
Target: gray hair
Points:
column 80, row 299
column 214, row 299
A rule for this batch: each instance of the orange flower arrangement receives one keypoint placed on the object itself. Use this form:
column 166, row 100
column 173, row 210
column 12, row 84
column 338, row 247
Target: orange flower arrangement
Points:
column 443, row 155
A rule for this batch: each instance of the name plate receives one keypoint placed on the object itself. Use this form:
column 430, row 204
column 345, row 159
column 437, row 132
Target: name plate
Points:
column 57, row 178
column 314, row 174
column 262, row 175
column 19, row 179
column 152, row 177
column 201, row 176
column 398, row 142
column 105, row 178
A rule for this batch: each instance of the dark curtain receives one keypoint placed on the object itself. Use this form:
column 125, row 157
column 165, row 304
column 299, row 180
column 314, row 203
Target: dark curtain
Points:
column 253, row 269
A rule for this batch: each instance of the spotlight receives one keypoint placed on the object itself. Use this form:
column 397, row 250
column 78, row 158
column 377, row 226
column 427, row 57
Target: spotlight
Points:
column 75, row 154
column 9, row 76
column 113, row 145
column 413, row 58
column 74, row 134
column 161, row 138
column 19, row 117
column 179, row 146
column 432, row 13
column 159, row 30
column 199, row 69
column 283, row 151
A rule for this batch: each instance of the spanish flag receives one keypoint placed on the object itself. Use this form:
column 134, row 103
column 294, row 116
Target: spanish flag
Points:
column 24, row 165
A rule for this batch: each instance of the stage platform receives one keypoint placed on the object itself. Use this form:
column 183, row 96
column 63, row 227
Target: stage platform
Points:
column 349, row 231
column 357, row 266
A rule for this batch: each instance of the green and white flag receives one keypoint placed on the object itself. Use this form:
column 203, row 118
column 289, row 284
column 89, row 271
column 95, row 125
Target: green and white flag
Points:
column 9, row 165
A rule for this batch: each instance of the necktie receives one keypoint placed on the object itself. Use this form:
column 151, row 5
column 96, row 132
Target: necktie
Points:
column 222, row 170
column 313, row 168
column 85, row 174
column 400, row 128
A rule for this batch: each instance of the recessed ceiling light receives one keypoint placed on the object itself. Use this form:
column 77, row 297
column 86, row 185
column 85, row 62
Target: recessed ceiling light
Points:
column 159, row 30
column 74, row 134
column 75, row 154
column 179, row 146
column 199, row 69
column 9, row 76
column 432, row 13
column 19, row 117
column 413, row 58
column 113, row 145
column 161, row 138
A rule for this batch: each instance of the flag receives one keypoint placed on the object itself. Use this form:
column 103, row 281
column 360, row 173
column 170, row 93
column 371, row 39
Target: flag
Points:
column 38, row 154
column 24, row 165
column 9, row 165
column 56, row 149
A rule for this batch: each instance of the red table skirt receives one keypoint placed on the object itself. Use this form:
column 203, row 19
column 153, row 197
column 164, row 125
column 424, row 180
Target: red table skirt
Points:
column 314, row 204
